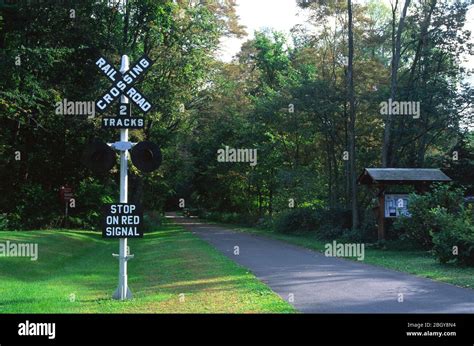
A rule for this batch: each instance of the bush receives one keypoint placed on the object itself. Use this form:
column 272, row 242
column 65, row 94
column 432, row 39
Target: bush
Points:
column 329, row 231
column 333, row 223
column 297, row 220
column 227, row 217
column 453, row 236
column 362, row 235
column 4, row 222
column 36, row 209
column 265, row 222
column 91, row 195
column 326, row 223
column 151, row 220
column 420, row 227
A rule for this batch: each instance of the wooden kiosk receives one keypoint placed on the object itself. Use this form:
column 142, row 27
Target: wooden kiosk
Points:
column 395, row 205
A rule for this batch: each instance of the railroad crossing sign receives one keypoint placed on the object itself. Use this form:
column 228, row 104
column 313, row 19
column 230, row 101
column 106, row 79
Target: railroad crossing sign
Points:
column 123, row 84
column 123, row 220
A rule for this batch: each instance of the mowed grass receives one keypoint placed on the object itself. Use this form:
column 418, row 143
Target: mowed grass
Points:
column 417, row 262
column 76, row 273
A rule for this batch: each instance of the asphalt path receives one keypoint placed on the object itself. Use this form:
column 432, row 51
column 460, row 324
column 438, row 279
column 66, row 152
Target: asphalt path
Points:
column 314, row 283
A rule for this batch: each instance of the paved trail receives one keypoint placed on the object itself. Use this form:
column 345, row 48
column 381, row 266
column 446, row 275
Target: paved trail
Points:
column 322, row 284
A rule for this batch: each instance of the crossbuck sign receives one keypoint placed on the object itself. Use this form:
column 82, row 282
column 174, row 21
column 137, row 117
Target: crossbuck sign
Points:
column 123, row 84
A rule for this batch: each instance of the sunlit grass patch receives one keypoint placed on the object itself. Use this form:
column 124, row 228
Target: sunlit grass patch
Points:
column 173, row 272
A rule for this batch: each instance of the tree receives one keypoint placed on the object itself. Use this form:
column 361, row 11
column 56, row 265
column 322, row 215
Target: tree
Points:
column 352, row 120
column 396, row 51
column 57, row 47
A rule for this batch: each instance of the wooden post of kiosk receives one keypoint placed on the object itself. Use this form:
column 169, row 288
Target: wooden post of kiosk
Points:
column 381, row 214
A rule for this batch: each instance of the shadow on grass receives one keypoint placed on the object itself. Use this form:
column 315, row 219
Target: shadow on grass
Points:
column 167, row 261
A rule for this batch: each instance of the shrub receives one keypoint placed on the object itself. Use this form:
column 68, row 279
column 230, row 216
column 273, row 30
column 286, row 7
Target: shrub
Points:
column 333, row 223
column 326, row 223
column 420, row 227
column 453, row 236
column 228, row 217
column 361, row 235
column 265, row 222
column 340, row 218
column 91, row 195
column 297, row 220
column 151, row 220
column 36, row 209
column 329, row 231
column 4, row 222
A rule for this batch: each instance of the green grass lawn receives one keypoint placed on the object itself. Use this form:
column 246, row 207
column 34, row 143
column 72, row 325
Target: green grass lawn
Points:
column 76, row 273
column 417, row 262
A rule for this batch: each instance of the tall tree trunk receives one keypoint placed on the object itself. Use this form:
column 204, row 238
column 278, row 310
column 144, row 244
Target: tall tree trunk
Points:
column 352, row 118
column 347, row 178
column 422, row 41
column 386, row 150
column 337, row 183
column 330, row 176
column 428, row 9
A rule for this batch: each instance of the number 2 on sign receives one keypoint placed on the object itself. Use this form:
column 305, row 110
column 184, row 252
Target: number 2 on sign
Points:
column 124, row 110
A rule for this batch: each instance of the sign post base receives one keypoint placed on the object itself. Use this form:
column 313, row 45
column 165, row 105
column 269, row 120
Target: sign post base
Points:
column 119, row 294
column 123, row 292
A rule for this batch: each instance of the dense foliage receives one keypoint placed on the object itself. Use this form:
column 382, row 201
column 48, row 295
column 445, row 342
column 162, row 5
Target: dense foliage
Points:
column 454, row 237
column 421, row 225
column 440, row 220
column 287, row 97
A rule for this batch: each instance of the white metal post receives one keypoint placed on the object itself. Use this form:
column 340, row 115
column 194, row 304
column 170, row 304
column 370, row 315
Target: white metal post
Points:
column 123, row 292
